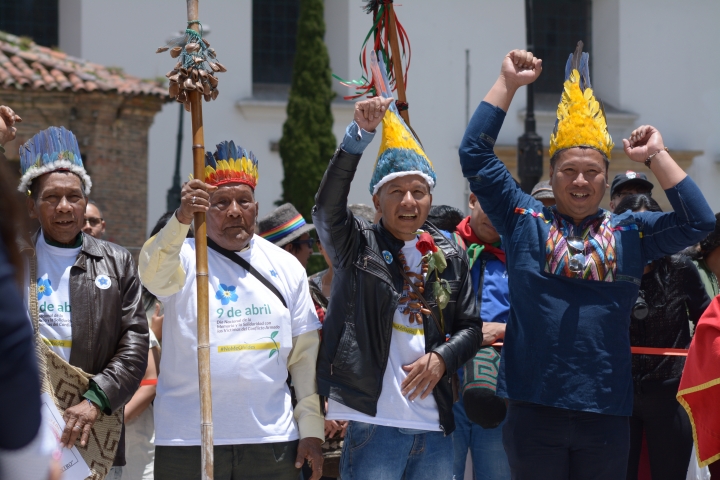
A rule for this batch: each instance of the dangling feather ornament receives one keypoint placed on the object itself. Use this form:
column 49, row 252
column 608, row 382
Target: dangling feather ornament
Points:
column 367, row 84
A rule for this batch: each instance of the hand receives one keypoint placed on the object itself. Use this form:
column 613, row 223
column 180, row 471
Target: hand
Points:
column 425, row 373
column 492, row 332
column 309, row 449
column 644, row 141
column 520, row 68
column 369, row 113
column 79, row 419
column 335, row 426
column 194, row 198
column 7, row 120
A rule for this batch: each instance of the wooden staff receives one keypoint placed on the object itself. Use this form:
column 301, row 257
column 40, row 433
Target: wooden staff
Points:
column 397, row 62
column 201, row 276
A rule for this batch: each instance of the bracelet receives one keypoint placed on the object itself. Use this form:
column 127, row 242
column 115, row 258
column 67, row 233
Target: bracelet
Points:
column 649, row 159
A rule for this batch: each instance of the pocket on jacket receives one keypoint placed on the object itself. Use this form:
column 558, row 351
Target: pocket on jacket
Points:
column 347, row 344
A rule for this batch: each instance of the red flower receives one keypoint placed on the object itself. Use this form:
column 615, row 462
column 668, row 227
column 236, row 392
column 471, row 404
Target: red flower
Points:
column 426, row 244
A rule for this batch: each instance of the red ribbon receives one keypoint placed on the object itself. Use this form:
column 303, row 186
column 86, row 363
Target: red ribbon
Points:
column 669, row 352
column 150, row 381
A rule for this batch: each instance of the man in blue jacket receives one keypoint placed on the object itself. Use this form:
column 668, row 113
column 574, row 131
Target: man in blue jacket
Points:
column 574, row 271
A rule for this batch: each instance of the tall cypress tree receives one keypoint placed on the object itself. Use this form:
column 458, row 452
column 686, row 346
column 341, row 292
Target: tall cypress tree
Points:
column 307, row 143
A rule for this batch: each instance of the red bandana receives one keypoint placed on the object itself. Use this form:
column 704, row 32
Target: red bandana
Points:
column 465, row 232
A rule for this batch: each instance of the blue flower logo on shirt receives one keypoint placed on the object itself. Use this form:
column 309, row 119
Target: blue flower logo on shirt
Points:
column 226, row 294
column 44, row 287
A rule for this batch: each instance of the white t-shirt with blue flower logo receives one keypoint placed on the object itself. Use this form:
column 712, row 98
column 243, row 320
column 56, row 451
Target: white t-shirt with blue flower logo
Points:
column 251, row 336
column 53, row 293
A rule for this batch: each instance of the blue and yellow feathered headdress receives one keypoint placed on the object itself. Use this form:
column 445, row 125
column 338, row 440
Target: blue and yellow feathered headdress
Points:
column 51, row 150
column 580, row 117
column 231, row 164
column 400, row 152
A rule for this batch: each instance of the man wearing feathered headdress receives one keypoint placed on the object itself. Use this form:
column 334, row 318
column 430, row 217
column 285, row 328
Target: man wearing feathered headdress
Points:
column 262, row 325
column 574, row 271
column 402, row 317
column 84, row 293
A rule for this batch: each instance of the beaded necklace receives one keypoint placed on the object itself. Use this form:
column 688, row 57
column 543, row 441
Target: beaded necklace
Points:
column 410, row 303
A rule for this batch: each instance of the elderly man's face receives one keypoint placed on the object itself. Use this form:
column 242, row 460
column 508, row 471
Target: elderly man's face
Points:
column 480, row 222
column 404, row 203
column 60, row 205
column 94, row 224
column 232, row 215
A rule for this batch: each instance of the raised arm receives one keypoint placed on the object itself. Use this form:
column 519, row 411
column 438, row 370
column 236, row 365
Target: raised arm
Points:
column 330, row 214
column 489, row 179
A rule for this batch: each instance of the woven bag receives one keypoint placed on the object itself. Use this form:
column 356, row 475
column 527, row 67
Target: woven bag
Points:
column 66, row 385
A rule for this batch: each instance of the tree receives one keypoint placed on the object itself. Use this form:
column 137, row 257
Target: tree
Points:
column 307, row 143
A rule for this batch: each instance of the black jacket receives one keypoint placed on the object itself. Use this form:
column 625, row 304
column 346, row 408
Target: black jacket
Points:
column 109, row 327
column 675, row 296
column 358, row 324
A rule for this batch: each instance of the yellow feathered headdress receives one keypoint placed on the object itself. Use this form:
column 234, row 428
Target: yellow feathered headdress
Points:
column 580, row 117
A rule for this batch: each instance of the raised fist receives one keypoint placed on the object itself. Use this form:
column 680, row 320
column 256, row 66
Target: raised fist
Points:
column 7, row 120
column 520, row 68
column 369, row 113
column 643, row 142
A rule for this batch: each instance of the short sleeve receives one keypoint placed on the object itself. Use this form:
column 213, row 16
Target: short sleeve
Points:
column 302, row 310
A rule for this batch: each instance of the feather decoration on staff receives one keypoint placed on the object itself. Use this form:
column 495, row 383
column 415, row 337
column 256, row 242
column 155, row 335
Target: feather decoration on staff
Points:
column 382, row 33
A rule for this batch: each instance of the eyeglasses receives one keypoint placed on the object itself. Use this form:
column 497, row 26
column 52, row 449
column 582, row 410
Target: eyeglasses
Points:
column 93, row 221
column 576, row 251
column 309, row 242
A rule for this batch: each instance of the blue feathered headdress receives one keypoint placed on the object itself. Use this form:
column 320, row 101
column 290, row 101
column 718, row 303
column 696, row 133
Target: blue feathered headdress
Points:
column 50, row 150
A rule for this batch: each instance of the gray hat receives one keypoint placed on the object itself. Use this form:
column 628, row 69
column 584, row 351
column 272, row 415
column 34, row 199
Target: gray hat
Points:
column 283, row 225
column 542, row 190
column 363, row 211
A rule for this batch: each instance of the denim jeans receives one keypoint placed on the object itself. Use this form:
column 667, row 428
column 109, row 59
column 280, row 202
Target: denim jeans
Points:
column 486, row 448
column 548, row 443
column 115, row 473
column 374, row 452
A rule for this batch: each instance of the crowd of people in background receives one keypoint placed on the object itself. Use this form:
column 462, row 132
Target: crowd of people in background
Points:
column 495, row 334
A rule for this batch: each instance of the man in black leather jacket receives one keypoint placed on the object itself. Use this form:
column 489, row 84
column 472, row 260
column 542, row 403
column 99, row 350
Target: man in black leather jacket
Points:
column 396, row 426
column 88, row 308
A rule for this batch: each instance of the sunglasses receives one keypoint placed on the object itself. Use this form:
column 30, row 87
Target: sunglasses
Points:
column 309, row 242
column 576, row 251
column 93, row 221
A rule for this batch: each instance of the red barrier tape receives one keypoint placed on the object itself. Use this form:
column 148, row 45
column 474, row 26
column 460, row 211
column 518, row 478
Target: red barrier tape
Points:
column 670, row 352
column 152, row 381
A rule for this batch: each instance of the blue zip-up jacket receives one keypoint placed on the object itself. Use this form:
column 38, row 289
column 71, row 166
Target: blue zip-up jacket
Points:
column 567, row 343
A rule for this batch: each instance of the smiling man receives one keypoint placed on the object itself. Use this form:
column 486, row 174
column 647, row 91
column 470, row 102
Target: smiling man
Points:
column 262, row 325
column 389, row 351
column 88, row 307
column 573, row 271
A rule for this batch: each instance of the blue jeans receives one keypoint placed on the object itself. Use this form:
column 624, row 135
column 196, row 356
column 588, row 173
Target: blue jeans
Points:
column 547, row 443
column 374, row 452
column 486, row 448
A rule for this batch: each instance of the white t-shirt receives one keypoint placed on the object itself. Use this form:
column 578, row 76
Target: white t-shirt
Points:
column 251, row 336
column 407, row 344
column 53, row 292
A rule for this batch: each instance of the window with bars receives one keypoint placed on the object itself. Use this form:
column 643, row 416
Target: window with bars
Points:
column 274, row 38
column 37, row 19
column 559, row 24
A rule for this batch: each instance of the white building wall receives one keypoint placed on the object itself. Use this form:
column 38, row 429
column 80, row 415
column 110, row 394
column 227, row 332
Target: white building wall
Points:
column 666, row 77
column 651, row 58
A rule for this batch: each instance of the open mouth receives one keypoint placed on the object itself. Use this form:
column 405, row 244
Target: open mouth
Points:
column 580, row 196
column 407, row 217
column 65, row 223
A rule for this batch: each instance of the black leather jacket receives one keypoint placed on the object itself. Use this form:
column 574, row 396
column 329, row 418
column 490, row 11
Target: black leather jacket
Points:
column 358, row 324
column 109, row 327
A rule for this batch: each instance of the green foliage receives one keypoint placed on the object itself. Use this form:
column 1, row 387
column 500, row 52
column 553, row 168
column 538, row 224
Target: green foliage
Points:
column 307, row 143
